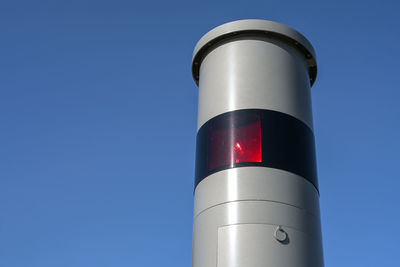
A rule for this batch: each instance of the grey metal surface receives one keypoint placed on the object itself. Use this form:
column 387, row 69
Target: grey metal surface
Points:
column 256, row 183
column 253, row 245
column 254, row 73
column 207, row 224
column 264, row 65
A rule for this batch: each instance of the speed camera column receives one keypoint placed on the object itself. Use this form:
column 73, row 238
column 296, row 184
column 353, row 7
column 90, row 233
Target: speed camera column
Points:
column 256, row 189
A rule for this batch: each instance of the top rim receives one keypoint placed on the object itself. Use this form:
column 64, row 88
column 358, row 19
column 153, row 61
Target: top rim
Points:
column 257, row 27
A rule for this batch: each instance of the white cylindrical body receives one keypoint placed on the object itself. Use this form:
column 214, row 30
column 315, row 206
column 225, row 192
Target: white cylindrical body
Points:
column 262, row 210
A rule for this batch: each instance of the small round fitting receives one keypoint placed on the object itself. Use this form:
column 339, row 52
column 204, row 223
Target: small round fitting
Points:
column 280, row 235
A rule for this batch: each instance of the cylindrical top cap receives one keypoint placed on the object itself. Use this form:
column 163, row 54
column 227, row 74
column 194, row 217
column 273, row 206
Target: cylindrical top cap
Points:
column 257, row 28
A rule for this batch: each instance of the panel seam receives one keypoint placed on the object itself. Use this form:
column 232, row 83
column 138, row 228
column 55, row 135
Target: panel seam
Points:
column 258, row 200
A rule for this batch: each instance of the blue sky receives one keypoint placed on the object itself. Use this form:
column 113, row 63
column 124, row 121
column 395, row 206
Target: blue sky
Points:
column 98, row 123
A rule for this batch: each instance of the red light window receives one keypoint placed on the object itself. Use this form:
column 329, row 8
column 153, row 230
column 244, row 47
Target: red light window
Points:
column 236, row 140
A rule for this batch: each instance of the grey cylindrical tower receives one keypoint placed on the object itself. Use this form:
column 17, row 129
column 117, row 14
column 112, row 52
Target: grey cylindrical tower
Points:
column 256, row 191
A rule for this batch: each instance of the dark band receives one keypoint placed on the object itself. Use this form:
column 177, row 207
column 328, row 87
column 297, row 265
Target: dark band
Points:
column 286, row 143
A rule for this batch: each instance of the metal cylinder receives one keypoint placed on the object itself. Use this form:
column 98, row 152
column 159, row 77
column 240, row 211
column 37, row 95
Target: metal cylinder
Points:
column 256, row 190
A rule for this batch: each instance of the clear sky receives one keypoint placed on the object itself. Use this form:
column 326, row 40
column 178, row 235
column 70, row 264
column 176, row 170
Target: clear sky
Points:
column 98, row 124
